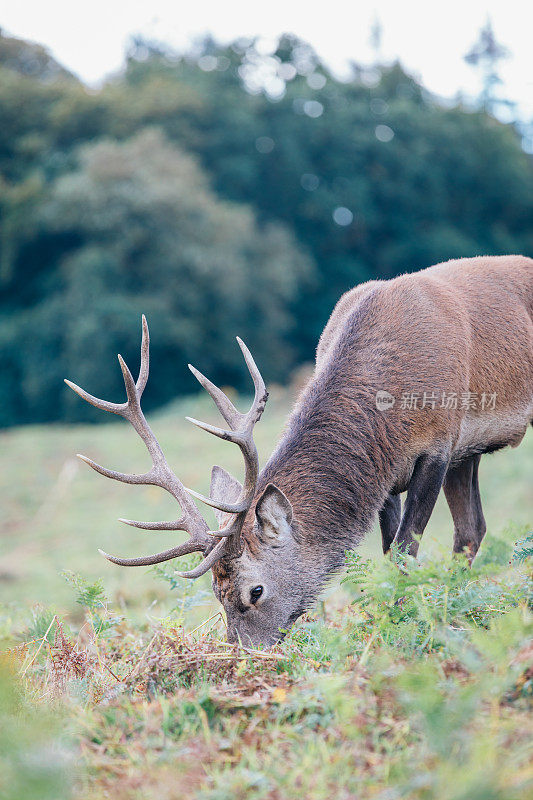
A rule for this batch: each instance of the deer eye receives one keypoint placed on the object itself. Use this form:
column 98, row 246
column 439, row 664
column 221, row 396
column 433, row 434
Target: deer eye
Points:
column 256, row 593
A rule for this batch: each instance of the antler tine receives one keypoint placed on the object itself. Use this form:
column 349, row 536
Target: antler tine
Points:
column 261, row 394
column 233, row 417
column 158, row 558
column 123, row 477
column 177, row 525
column 104, row 405
column 145, row 358
column 129, row 383
column 222, row 402
column 215, row 555
column 229, row 508
column 230, row 436
column 133, row 391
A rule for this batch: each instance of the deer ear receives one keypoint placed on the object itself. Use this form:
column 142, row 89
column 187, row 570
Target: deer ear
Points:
column 274, row 512
column 223, row 487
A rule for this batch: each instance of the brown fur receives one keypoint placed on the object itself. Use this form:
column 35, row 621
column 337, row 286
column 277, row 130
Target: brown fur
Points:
column 462, row 326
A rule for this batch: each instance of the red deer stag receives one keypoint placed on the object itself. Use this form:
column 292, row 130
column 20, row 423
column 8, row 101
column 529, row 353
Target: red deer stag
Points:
column 415, row 379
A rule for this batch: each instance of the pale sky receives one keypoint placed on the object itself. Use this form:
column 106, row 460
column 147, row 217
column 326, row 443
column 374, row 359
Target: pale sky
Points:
column 430, row 38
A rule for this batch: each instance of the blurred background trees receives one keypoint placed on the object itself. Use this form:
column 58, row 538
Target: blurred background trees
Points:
column 223, row 192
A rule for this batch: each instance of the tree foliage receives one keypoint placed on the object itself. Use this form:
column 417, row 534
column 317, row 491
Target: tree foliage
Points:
column 135, row 228
column 224, row 191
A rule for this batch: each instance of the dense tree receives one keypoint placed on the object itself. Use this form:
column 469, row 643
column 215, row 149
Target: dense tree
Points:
column 135, row 228
column 375, row 177
column 224, row 191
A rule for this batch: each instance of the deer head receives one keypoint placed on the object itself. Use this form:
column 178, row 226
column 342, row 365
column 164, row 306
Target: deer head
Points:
column 257, row 589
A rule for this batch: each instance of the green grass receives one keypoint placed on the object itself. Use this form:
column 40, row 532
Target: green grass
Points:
column 410, row 680
column 55, row 512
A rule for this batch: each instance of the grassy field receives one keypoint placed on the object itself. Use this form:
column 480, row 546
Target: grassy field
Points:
column 410, row 682
column 55, row 512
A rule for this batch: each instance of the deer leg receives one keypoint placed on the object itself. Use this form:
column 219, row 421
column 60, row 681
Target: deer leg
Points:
column 389, row 520
column 481, row 525
column 424, row 488
column 461, row 488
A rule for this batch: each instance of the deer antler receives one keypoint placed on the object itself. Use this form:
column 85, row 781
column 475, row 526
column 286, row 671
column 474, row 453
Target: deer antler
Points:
column 240, row 433
column 201, row 539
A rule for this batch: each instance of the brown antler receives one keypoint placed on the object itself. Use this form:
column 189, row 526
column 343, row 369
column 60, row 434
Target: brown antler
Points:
column 240, row 433
column 201, row 538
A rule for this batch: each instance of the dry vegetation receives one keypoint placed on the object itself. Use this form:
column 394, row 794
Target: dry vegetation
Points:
column 415, row 680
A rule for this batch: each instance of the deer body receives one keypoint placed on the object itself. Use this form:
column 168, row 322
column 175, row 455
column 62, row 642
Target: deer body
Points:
column 463, row 326
column 462, row 330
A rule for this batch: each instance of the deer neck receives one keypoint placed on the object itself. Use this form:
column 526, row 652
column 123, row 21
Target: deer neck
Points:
column 335, row 463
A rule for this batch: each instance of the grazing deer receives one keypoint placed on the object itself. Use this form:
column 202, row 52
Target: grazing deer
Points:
column 415, row 379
